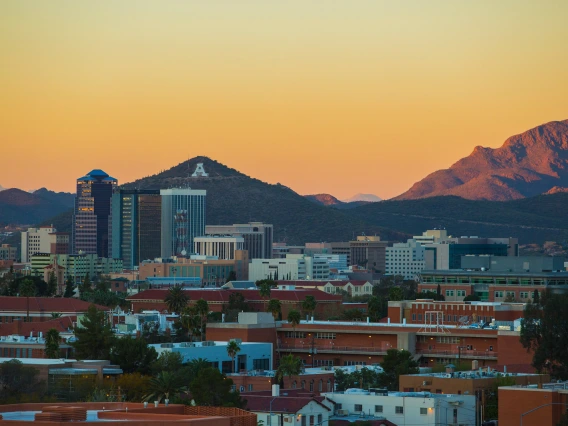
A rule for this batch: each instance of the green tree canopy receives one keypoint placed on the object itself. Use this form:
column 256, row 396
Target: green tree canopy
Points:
column 165, row 385
column 133, row 354
column 167, row 361
column 290, row 365
column 274, row 307
column 395, row 294
column 94, row 337
column 233, row 349
column 396, row 363
column 211, row 388
column 294, row 318
column 52, row 284
column 202, row 310
column 52, row 339
column 69, row 287
column 176, row 299
column 377, row 308
column 27, row 289
column 18, row 380
column 309, row 305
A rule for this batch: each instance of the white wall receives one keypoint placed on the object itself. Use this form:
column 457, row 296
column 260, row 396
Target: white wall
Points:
column 295, row 419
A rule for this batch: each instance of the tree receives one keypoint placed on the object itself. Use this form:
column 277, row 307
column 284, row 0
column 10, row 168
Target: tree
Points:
column 167, row 361
column 133, row 386
column 202, row 308
column 232, row 349
column 52, row 340
column 103, row 284
column 265, row 288
column 163, row 385
column 232, row 276
column 439, row 291
column 274, row 307
column 69, row 287
column 189, row 322
column 294, row 318
column 55, row 315
column 196, row 365
column 94, row 337
column 85, row 287
column 376, row 308
column 176, row 299
column 544, row 331
column 133, row 354
column 52, row 284
column 471, row 298
column 212, row 388
column 492, row 396
column 395, row 294
column 27, row 290
column 536, row 297
column 396, row 363
column 290, row 365
column 17, row 380
column 309, row 304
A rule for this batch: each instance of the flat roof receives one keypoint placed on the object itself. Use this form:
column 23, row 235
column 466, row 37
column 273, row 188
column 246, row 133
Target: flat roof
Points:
column 489, row 273
column 471, row 375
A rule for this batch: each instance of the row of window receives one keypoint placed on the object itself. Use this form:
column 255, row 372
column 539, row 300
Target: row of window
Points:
column 459, row 293
column 398, row 409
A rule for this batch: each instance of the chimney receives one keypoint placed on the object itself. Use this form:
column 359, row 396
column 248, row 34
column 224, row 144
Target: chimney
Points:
column 275, row 390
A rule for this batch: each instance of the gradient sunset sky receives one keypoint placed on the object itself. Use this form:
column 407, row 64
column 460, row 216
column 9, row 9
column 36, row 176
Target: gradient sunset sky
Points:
column 332, row 97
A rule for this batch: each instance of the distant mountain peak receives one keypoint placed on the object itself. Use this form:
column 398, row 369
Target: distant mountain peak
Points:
column 369, row 198
column 527, row 164
column 2, row 188
column 324, row 199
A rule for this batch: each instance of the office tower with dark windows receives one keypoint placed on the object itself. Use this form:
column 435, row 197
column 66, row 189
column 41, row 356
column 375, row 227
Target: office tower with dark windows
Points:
column 257, row 236
column 136, row 225
column 93, row 216
column 183, row 219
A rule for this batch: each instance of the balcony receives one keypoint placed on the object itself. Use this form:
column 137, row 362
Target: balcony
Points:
column 335, row 349
column 464, row 354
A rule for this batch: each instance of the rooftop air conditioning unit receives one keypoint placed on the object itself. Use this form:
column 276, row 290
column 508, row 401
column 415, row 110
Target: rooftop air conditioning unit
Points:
column 448, row 375
column 186, row 345
column 208, row 343
column 167, row 345
column 341, row 413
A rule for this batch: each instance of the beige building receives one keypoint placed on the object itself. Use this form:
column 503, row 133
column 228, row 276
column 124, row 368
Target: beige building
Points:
column 7, row 252
column 45, row 239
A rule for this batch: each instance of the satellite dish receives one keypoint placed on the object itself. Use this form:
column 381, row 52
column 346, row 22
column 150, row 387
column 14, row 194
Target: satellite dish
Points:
column 183, row 252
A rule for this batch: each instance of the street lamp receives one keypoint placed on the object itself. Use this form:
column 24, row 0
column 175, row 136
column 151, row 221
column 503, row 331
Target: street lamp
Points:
column 539, row 407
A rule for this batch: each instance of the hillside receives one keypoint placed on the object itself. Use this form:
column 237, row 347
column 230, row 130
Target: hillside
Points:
column 530, row 219
column 330, row 201
column 21, row 207
column 527, row 164
column 233, row 197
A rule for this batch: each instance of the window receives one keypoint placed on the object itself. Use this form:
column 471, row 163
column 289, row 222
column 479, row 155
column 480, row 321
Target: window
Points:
column 358, row 407
column 461, row 293
column 303, row 420
column 449, row 293
column 498, row 294
column 312, row 386
column 524, row 294
column 320, row 418
column 260, row 364
column 423, row 411
column 399, row 410
column 327, row 336
column 378, row 408
column 250, row 388
column 312, row 420
column 511, row 294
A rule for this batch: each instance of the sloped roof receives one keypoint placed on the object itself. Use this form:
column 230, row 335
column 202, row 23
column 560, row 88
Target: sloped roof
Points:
column 25, row 328
column 46, row 304
column 335, row 283
column 281, row 404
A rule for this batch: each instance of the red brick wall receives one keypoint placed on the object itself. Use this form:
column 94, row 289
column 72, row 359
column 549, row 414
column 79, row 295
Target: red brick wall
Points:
column 513, row 403
column 512, row 352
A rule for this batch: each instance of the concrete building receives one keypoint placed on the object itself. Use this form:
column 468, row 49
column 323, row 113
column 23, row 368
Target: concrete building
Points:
column 223, row 247
column 14, row 310
column 136, row 225
column 351, row 287
column 281, row 250
column 406, row 259
column 335, row 261
column 257, row 237
column 75, row 265
column 252, row 356
column 406, row 408
column 210, row 271
column 369, row 252
column 183, row 219
column 45, row 239
column 432, row 236
column 8, row 252
column 92, row 219
column 293, row 267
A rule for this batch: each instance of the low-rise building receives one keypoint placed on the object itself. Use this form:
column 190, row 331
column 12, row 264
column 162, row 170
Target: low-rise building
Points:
column 293, row 267
column 8, row 252
column 41, row 308
column 76, row 266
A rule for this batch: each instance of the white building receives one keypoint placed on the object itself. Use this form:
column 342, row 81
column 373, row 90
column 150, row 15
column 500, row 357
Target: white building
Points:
column 222, row 247
column 406, row 259
column 431, row 236
column 293, row 267
column 36, row 240
column 405, row 408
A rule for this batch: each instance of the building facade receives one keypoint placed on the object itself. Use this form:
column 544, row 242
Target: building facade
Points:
column 183, row 219
column 257, row 237
column 369, row 252
column 222, row 247
column 44, row 239
column 405, row 259
column 136, row 225
column 92, row 221
column 76, row 266
column 8, row 252
column 293, row 267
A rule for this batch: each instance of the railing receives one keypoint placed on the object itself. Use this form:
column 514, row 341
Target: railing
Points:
column 452, row 353
column 336, row 348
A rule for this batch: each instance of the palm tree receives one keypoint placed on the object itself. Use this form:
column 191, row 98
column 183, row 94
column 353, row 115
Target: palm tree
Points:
column 294, row 318
column 309, row 304
column 190, row 321
column 176, row 299
column 27, row 289
column 290, row 365
column 264, row 289
column 232, row 349
column 274, row 307
column 202, row 308
column 163, row 385
column 196, row 365
column 52, row 339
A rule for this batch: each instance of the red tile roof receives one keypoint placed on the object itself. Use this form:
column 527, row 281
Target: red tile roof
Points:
column 282, row 404
column 335, row 283
column 249, row 295
column 24, row 328
column 45, row 304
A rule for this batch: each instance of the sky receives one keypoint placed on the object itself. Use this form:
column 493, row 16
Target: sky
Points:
column 335, row 97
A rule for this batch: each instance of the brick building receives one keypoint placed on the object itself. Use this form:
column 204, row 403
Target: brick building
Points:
column 41, row 308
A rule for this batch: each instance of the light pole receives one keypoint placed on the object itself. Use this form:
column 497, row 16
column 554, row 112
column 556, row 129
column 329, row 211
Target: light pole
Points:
column 539, row 407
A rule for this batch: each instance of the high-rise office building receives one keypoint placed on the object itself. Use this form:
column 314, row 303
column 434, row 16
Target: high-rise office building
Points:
column 257, row 236
column 136, row 225
column 369, row 252
column 92, row 218
column 223, row 247
column 183, row 219
column 44, row 239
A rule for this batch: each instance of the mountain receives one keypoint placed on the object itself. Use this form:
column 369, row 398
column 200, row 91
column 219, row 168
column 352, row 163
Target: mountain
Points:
column 233, row 197
column 323, row 199
column 527, row 164
column 529, row 219
column 64, row 198
column 21, row 207
column 368, row 198
column 2, row 188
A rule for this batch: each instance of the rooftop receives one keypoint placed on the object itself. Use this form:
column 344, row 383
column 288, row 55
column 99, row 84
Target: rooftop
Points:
column 484, row 373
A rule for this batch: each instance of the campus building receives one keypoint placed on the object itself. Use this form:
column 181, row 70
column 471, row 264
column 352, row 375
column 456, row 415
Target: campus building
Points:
column 136, row 225
column 8, row 252
column 257, row 237
column 222, row 247
column 183, row 219
column 76, row 266
column 369, row 252
column 92, row 219
column 44, row 239
column 293, row 267
column 405, row 259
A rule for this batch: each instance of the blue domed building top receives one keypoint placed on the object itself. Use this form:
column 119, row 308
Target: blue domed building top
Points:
column 97, row 174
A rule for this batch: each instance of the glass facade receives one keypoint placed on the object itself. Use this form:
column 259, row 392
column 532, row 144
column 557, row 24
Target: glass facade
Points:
column 459, row 250
column 92, row 217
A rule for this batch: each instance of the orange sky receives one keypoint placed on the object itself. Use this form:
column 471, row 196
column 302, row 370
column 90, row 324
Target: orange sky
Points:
column 337, row 97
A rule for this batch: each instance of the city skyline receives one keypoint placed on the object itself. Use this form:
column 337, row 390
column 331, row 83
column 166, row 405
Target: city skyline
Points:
column 371, row 87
